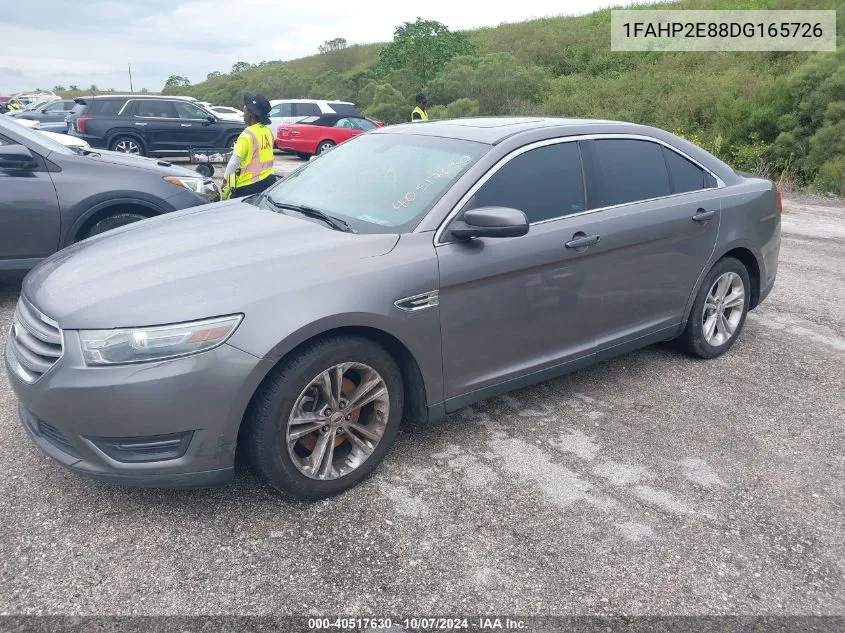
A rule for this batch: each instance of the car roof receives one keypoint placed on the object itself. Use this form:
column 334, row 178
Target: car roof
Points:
column 144, row 96
column 278, row 101
column 493, row 130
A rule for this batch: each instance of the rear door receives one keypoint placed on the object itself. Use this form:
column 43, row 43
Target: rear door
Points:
column 158, row 122
column 659, row 217
column 29, row 214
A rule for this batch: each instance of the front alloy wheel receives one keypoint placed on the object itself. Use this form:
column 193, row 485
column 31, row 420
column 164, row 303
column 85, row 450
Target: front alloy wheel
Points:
column 324, row 417
column 338, row 421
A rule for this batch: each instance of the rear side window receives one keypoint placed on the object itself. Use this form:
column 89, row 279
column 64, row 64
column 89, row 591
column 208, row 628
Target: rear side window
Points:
column 685, row 175
column 306, row 109
column 623, row 170
column 544, row 183
column 155, row 108
column 103, row 107
column 346, row 109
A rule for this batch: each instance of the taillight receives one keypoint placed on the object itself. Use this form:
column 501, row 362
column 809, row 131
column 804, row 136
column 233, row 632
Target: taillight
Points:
column 780, row 201
column 80, row 124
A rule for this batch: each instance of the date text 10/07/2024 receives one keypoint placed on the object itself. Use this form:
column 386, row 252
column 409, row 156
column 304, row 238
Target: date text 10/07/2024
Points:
column 418, row 624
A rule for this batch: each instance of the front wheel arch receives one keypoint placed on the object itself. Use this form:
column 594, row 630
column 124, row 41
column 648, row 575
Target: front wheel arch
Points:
column 415, row 398
column 104, row 209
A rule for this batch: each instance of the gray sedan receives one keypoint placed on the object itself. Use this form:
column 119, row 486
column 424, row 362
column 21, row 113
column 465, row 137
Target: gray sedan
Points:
column 407, row 273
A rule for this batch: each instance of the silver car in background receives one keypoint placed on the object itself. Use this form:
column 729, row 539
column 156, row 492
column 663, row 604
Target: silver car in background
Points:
column 410, row 272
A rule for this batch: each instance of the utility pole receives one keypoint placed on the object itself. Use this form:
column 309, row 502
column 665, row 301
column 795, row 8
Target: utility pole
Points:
column 131, row 89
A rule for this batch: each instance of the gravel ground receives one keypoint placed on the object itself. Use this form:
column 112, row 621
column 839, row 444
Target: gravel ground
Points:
column 651, row 484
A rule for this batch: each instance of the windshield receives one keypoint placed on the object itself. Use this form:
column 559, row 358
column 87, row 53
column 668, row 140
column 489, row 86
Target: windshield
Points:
column 37, row 138
column 379, row 183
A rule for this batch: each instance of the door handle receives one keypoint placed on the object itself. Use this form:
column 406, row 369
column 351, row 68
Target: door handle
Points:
column 580, row 240
column 702, row 216
column 185, row 125
column 140, row 124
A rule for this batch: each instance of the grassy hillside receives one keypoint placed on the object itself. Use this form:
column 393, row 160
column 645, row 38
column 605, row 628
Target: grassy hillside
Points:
column 776, row 113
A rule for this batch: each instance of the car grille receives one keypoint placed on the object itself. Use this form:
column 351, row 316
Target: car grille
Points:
column 35, row 342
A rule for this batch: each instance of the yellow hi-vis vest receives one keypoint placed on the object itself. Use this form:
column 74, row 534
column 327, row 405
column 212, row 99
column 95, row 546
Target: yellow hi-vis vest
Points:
column 418, row 110
column 255, row 144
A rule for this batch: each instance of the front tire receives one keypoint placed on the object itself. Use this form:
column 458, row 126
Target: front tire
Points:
column 719, row 312
column 112, row 222
column 325, row 417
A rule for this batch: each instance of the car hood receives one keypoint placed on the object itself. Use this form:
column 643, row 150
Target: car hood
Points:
column 139, row 162
column 207, row 261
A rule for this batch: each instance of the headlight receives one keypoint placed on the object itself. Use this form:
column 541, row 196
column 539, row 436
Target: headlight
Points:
column 116, row 347
column 202, row 186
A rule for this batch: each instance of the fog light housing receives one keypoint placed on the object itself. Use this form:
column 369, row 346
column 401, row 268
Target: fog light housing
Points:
column 152, row 448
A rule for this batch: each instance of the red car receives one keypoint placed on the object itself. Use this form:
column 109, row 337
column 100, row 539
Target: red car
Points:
column 317, row 134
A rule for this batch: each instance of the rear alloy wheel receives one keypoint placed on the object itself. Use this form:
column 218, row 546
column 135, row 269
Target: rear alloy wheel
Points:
column 325, row 418
column 719, row 311
column 325, row 146
column 127, row 145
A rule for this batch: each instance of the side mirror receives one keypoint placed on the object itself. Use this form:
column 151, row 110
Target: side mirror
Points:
column 210, row 119
column 16, row 157
column 490, row 222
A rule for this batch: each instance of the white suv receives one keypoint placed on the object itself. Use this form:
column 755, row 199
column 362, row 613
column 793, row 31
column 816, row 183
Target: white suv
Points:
column 292, row 110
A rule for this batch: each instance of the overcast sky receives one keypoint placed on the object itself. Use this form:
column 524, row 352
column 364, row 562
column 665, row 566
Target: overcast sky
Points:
column 59, row 42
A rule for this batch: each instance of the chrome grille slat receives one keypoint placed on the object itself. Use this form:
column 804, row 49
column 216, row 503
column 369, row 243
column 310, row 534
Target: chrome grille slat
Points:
column 35, row 342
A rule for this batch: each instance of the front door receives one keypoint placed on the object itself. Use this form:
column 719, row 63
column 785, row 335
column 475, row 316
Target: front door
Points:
column 659, row 217
column 29, row 215
column 511, row 307
column 195, row 130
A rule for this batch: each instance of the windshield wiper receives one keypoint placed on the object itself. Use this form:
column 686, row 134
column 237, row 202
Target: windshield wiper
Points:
column 335, row 223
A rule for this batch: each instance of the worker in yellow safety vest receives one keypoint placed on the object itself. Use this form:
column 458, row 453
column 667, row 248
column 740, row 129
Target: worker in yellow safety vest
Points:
column 13, row 105
column 419, row 113
column 250, row 170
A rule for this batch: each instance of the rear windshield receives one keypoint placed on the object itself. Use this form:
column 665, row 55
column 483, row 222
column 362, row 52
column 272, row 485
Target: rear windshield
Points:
column 346, row 109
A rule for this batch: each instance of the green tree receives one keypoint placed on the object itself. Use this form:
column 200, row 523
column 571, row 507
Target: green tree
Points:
column 93, row 88
column 388, row 104
column 496, row 81
column 239, row 67
column 58, row 88
column 74, row 88
column 423, row 48
column 456, row 110
column 144, row 91
column 331, row 46
column 174, row 83
column 213, row 75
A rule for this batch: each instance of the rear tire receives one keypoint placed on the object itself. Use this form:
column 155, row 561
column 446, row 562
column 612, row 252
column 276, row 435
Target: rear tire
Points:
column 128, row 145
column 285, row 462
column 719, row 311
column 112, row 222
column 325, row 146
column 230, row 142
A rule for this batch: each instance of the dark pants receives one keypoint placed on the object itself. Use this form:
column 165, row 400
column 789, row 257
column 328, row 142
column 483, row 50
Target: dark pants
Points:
column 256, row 187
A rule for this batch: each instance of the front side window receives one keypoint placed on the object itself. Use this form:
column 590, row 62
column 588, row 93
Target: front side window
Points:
column 625, row 170
column 362, row 124
column 282, row 109
column 379, row 183
column 544, row 183
column 189, row 111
